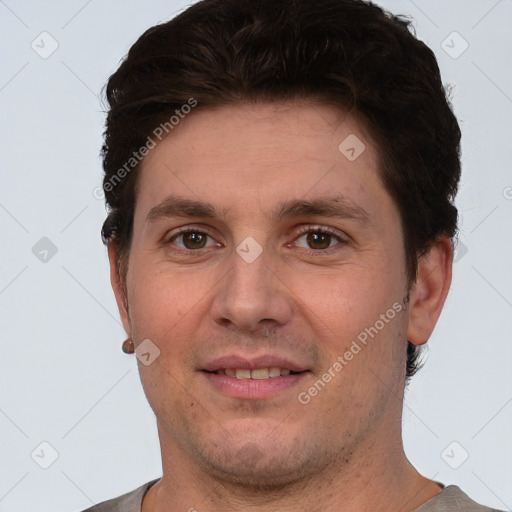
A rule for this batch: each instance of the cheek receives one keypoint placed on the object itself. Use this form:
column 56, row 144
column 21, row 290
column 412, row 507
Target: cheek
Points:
column 359, row 317
column 346, row 301
column 166, row 309
column 161, row 302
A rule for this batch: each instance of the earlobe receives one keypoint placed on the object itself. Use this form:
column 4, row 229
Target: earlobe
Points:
column 429, row 293
column 117, row 287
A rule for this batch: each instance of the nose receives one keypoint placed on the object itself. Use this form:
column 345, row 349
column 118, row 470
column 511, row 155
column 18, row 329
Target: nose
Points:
column 252, row 295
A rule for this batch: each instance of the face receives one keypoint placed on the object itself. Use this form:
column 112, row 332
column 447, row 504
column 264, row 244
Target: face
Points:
column 258, row 244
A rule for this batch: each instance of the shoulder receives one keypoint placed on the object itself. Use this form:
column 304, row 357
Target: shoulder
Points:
column 453, row 499
column 129, row 502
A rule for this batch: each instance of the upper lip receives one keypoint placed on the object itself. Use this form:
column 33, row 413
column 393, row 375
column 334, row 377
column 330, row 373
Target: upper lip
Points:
column 252, row 363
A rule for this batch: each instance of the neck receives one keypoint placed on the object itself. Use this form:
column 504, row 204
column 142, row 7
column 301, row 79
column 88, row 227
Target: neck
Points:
column 376, row 478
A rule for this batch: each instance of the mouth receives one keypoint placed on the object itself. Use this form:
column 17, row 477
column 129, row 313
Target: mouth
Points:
column 256, row 374
column 253, row 379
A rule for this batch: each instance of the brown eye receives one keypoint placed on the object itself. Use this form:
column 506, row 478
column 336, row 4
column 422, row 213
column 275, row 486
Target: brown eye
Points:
column 194, row 240
column 318, row 240
column 191, row 239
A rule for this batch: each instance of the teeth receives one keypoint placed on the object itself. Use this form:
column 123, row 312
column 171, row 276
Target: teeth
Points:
column 261, row 373
column 243, row 374
column 257, row 373
column 274, row 371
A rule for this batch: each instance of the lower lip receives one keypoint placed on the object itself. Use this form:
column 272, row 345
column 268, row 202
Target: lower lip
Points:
column 253, row 389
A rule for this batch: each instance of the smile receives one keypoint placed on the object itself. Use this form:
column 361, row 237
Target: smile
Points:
column 255, row 384
column 257, row 373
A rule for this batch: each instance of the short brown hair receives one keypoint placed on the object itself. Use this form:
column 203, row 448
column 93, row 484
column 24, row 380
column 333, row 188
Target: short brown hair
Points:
column 349, row 54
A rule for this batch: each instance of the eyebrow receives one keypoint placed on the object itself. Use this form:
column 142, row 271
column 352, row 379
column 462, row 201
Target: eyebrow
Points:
column 330, row 206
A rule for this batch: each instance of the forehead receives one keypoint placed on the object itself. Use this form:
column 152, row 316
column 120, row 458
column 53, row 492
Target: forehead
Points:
column 240, row 156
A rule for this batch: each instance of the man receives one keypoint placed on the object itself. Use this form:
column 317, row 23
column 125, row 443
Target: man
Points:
column 280, row 178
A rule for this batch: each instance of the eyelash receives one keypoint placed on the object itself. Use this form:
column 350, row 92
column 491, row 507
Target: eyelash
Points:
column 323, row 230
column 302, row 231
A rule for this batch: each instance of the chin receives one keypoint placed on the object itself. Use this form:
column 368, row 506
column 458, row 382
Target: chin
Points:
column 267, row 466
column 269, row 473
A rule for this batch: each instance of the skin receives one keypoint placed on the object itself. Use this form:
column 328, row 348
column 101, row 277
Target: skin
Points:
column 342, row 450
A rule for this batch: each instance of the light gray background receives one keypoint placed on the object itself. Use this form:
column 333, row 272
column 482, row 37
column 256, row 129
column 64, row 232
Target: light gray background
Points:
column 64, row 379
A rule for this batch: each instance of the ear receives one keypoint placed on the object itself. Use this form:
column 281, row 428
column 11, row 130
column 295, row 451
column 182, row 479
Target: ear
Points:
column 430, row 290
column 115, row 281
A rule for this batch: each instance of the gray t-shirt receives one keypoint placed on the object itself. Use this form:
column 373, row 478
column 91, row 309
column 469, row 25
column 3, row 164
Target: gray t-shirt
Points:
column 450, row 499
